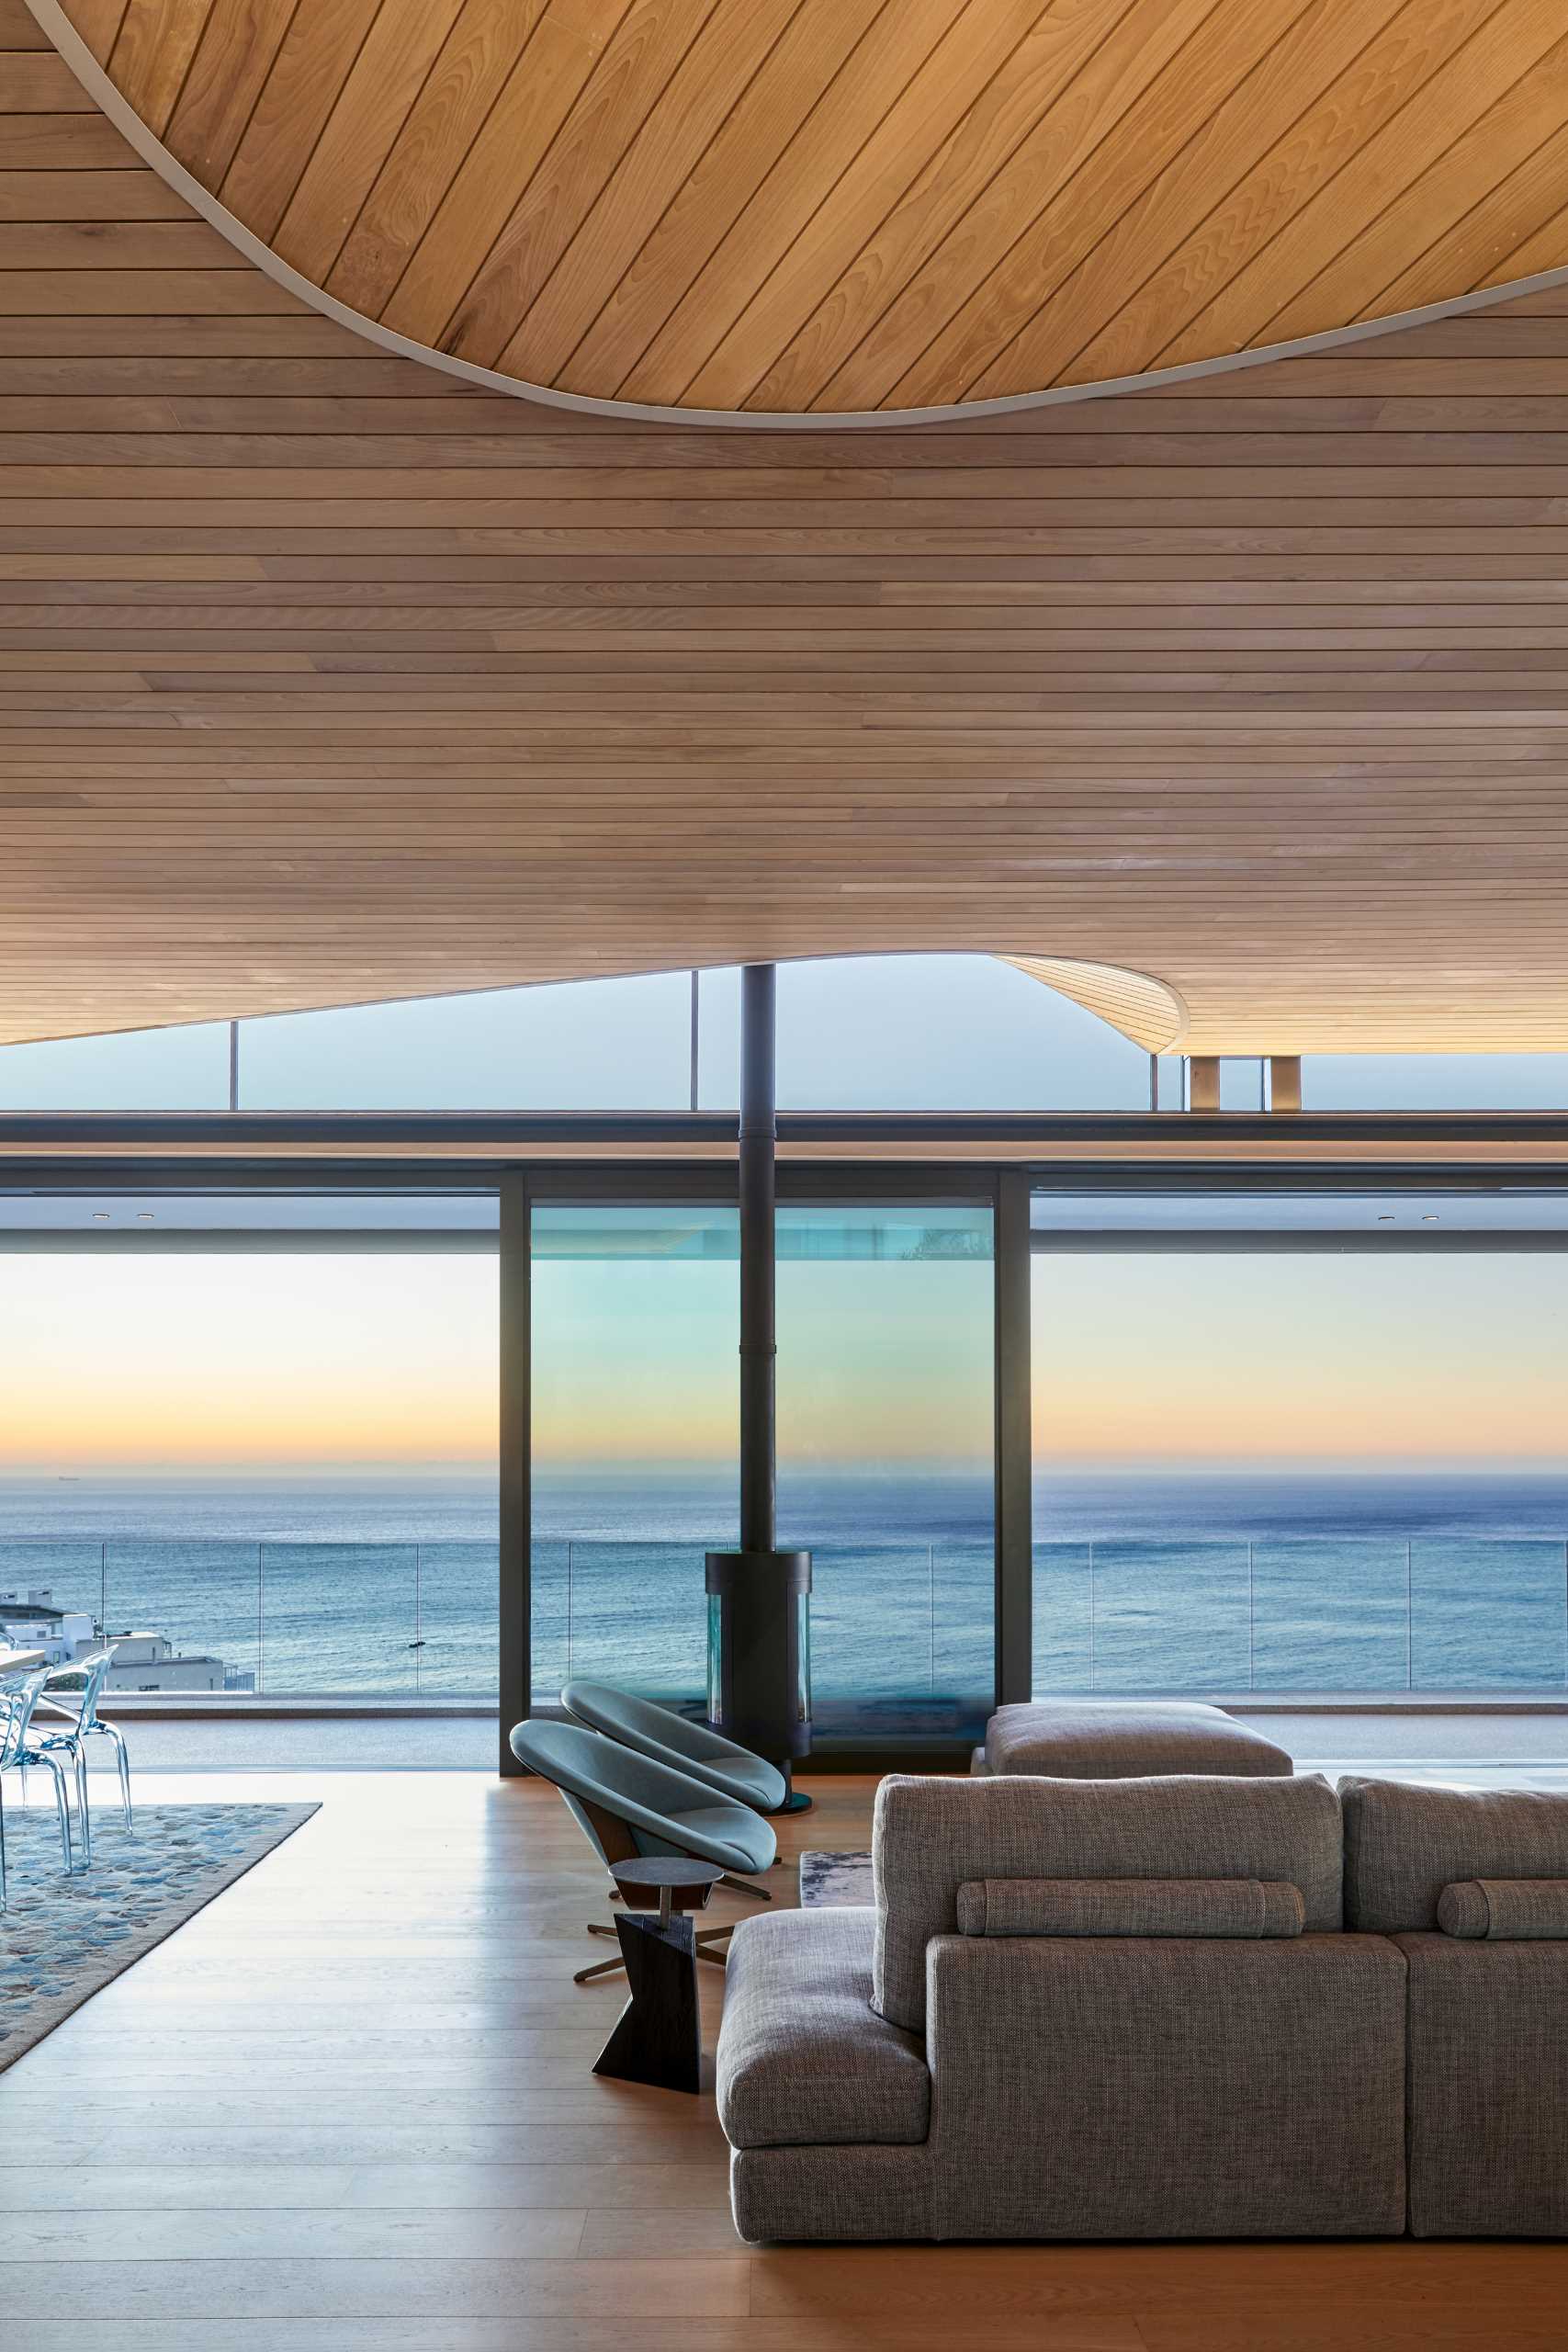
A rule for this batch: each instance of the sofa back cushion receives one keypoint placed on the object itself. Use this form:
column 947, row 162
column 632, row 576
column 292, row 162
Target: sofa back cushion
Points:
column 1127, row 1739
column 931, row 1836
column 1404, row 1844
column 1129, row 1906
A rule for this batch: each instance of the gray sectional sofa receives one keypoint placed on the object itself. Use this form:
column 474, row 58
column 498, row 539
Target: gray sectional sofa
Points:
column 1164, row 2008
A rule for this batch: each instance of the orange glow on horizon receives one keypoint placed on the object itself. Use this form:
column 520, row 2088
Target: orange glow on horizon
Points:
column 1257, row 1360
column 204, row 1364
column 323, row 1362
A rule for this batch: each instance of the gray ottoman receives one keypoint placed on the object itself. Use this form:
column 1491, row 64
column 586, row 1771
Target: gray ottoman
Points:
column 1126, row 1740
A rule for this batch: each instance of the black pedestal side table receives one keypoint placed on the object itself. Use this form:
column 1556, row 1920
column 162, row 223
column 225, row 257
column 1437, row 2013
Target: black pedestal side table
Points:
column 658, row 2036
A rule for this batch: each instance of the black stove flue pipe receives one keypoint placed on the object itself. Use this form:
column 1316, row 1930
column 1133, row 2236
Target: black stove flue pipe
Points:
column 759, row 1651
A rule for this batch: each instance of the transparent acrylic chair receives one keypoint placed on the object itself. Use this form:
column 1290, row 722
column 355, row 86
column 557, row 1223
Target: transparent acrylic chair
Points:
column 17, row 1753
column 71, row 1692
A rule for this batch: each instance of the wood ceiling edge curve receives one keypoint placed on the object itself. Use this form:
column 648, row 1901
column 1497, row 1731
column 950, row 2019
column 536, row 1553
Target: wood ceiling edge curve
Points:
column 53, row 22
column 1147, row 1009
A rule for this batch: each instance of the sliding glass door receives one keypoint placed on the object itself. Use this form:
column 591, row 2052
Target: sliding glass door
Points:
column 886, row 1377
column 1298, row 1446
column 885, row 1464
column 635, row 1394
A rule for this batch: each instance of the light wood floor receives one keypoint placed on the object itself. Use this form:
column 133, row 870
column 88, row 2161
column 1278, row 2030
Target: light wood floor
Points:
column 348, row 2109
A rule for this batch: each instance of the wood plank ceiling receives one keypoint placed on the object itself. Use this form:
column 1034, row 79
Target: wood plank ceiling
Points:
column 326, row 678
column 851, row 205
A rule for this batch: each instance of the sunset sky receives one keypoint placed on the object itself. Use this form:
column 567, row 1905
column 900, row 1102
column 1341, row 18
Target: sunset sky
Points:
column 173, row 1361
column 887, row 1364
column 208, row 1362
column 201, row 1363
column 1437, row 1363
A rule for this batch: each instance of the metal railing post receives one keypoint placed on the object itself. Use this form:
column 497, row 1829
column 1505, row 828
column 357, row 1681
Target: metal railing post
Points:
column 1251, row 1622
column 695, row 1045
column 1409, row 1620
column 1091, row 1664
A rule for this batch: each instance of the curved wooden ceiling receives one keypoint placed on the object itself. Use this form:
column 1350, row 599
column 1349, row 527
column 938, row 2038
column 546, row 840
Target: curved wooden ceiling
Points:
column 843, row 206
column 326, row 678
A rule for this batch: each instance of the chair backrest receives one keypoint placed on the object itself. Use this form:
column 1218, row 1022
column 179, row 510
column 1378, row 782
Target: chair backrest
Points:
column 79, row 1683
column 931, row 1836
column 17, row 1700
column 584, row 1764
column 660, row 1732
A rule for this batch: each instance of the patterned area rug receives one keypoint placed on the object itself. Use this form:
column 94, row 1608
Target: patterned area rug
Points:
column 62, row 1938
column 830, row 1881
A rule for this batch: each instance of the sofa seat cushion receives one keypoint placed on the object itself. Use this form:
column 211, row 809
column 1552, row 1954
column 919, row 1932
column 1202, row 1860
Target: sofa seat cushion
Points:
column 1404, row 1843
column 804, row 2061
column 929, row 1836
column 1071, row 1739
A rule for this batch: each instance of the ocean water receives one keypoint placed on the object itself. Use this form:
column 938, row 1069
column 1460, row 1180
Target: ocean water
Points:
column 370, row 1584
column 1172, row 1583
column 1297, row 1582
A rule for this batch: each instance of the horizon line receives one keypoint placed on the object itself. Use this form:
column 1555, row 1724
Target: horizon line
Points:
column 1046, row 1466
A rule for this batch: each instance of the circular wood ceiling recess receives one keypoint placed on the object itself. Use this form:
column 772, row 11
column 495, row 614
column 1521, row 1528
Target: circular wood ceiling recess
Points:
column 838, row 207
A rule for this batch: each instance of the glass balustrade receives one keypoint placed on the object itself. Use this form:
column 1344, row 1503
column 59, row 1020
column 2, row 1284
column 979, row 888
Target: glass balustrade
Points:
column 1311, row 1614
column 901, row 1639
column 242, row 1616
column 901, row 1632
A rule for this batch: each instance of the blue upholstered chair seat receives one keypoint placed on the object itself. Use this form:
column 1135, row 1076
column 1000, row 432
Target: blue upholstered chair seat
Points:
column 666, row 1737
column 664, row 1811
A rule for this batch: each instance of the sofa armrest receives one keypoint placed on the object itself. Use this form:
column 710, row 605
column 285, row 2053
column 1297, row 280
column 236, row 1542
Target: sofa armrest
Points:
column 1151, row 2087
column 1488, row 2087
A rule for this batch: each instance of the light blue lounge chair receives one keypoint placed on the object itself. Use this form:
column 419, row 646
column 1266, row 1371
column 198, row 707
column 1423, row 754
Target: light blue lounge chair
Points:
column 669, row 1738
column 18, row 1752
column 626, row 1805
column 73, row 1692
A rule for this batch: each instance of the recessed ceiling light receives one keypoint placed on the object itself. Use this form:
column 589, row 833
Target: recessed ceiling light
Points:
column 1386, row 1220
column 1428, row 1220
column 100, row 1216
column 144, row 1216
